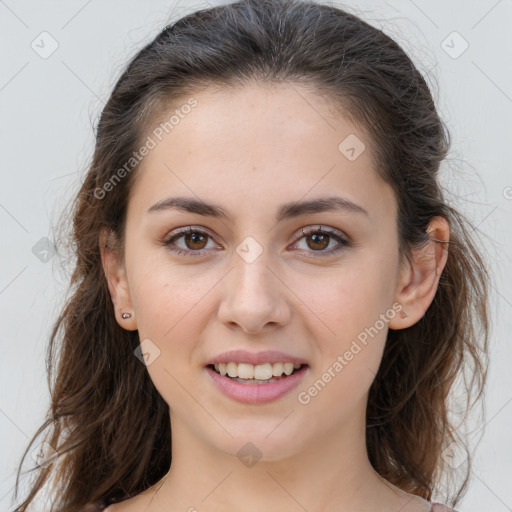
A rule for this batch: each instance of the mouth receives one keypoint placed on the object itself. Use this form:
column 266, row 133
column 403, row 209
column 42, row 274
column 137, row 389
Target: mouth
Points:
column 256, row 374
column 238, row 383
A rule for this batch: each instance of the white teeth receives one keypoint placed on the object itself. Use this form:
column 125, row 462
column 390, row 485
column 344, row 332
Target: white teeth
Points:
column 277, row 369
column 232, row 369
column 288, row 368
column 246, row 371
column 263, row 371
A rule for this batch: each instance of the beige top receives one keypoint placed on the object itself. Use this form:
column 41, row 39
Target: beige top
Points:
column 438, row 507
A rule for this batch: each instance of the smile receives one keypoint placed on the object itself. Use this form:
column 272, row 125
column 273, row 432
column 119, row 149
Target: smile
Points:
column 260, row 383
column 263, row 371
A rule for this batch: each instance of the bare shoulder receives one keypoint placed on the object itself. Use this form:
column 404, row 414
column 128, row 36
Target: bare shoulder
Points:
column 135, row 504
column 123, row 506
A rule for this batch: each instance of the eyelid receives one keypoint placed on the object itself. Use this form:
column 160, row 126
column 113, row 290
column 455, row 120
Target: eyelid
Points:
column 342, row 239
column 177, row 233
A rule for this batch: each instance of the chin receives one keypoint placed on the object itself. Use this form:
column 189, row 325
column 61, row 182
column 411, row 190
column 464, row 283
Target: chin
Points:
column 263, row 442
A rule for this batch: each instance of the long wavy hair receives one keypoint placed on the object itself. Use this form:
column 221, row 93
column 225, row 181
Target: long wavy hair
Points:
column 108, row 424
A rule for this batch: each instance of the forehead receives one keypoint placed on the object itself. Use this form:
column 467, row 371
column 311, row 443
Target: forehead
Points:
column 250, row 147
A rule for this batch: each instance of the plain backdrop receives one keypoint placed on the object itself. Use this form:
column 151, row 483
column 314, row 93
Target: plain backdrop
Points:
column 59, row 61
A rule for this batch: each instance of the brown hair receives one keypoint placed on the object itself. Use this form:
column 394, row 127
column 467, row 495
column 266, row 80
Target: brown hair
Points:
column 107, row 421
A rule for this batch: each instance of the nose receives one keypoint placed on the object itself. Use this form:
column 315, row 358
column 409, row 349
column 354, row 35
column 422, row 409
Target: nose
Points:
column 253, row 297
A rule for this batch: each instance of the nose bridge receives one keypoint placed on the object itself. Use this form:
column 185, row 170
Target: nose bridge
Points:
column 252, row 278
column 253, row 296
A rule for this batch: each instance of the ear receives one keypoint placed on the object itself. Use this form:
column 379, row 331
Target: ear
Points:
column 418, row 281
column 115, row 273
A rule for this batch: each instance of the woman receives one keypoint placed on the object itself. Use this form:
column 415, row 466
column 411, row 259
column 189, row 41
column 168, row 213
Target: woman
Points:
column 269, row 286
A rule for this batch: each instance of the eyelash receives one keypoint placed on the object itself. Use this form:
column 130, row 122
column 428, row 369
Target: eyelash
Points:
column 304, row 232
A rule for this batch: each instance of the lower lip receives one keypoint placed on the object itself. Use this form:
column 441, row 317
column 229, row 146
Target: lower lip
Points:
column 256, row 393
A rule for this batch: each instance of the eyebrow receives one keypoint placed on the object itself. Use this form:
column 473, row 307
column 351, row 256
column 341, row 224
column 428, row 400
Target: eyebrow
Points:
column 286, row 211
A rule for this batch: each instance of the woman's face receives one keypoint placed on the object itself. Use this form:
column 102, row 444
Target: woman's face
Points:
column 253, row 281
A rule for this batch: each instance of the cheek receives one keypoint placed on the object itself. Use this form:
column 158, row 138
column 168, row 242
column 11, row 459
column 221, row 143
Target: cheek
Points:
column 166, row 296
column 356, row 308
column 351, row 301
column 170, row 305
column 168, row 315
column 351, row 349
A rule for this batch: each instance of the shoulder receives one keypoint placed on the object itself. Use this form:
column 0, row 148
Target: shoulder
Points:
column 94, row 507
column 439, row 507
column 129, row 505
column 135, row 504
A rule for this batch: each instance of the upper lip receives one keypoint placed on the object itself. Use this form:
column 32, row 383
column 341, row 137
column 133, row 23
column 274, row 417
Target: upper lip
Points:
column 267, row 356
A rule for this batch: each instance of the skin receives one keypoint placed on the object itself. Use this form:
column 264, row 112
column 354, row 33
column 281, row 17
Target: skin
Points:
column 251, row 150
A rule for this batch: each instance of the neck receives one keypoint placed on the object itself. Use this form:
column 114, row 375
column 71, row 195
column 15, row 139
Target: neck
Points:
column 331, row 474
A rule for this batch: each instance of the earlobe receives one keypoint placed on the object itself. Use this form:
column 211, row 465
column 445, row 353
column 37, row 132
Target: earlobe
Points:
column 117, row 281
column 419, row 278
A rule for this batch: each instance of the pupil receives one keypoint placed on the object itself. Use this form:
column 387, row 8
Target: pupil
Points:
column 194, row 237
column 322, row 238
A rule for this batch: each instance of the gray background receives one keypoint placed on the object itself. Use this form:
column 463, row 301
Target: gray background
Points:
column 49, row 104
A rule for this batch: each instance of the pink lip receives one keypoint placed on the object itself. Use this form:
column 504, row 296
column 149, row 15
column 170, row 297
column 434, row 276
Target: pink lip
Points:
column 256, row 393
column 267, row 356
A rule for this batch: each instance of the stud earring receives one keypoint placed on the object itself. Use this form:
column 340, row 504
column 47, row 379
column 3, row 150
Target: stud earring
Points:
column 124, row 316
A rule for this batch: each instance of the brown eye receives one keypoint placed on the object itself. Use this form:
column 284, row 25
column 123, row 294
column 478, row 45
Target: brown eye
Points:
column 317, row 240
column 195, row 241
